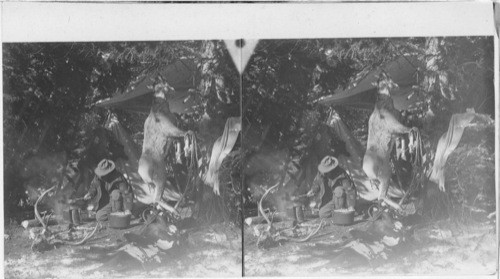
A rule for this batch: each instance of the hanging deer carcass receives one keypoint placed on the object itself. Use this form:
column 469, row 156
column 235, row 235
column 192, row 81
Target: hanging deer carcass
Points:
column 160, row 131
column 383, row 128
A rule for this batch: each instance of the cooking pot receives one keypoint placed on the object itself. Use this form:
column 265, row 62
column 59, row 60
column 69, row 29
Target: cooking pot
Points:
column 343, row 217
column 119, row 220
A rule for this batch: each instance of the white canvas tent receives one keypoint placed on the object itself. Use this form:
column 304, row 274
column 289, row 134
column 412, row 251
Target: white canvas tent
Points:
column 138, row 97
column 362, row 94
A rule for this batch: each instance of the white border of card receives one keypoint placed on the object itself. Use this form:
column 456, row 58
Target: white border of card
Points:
column 43, row 22
column 24, row 21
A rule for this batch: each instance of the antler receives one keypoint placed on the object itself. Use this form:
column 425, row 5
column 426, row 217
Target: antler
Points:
column 47, row 236
column 37, row 214
column 310, row 235
column 85, row 238
column 261, row 210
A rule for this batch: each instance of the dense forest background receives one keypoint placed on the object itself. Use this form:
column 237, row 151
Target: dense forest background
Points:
column 50, row 89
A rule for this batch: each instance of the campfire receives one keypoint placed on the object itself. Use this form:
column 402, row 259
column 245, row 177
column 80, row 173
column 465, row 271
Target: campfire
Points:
column 46, row 239
column 270, row 236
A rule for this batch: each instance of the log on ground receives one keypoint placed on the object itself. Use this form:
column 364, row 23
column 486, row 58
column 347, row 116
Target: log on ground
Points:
column 35, row 223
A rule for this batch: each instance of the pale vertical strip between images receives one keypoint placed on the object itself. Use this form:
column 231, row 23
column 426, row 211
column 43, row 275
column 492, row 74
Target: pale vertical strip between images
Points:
column 497, row 130
column 2, row 228
column 241, row 176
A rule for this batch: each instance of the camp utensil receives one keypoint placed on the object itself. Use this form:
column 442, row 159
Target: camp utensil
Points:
column 119, row 220
column 343, row 217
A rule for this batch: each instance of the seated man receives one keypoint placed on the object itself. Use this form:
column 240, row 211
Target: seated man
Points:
column 110, row 190
column 335, row 187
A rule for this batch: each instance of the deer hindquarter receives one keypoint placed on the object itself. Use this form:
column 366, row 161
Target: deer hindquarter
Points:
column 159, row 133
column 382, row 128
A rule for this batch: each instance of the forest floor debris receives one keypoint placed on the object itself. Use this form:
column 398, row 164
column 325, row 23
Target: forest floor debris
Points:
column 202, row 254
column 438, row 248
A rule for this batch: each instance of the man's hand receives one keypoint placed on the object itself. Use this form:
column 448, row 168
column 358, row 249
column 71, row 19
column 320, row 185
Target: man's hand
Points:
column 87, row 197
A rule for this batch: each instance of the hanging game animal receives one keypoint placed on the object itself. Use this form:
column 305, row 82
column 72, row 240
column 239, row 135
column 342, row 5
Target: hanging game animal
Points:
column 383, row 128
column 160, row 131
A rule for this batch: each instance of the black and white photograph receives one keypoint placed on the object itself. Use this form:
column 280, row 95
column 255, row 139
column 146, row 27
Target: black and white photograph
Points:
column 120, row 157
column 370, row 156
column 159, row 140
